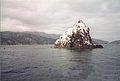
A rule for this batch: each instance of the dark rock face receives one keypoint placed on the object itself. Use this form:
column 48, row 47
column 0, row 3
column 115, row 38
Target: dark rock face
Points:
column 98, row 46
column 76, row 37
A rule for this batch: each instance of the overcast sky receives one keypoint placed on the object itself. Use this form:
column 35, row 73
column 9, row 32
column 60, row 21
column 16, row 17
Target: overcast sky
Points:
column 55, row 16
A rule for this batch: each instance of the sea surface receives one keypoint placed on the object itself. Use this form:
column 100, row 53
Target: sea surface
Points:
column 46, row 63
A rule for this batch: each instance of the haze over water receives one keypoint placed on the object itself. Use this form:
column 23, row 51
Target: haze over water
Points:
column 45, row 63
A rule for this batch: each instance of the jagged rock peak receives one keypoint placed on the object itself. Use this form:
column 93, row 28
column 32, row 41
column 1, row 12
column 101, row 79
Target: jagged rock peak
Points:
column 76, row 37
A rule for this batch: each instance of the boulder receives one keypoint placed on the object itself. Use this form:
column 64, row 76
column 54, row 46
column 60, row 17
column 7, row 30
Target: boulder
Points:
column 98, row 46
column 76, row 37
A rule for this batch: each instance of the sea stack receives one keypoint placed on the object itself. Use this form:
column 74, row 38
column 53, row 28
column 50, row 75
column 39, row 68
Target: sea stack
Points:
column 76, row 37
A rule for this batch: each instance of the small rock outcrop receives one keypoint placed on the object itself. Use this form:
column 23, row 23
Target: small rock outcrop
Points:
column 76, row 37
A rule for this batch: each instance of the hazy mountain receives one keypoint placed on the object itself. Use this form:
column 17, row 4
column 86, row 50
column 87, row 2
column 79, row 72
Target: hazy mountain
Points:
column 53, row 36
column 115, row 42
column 12, row 38
column 98, row 41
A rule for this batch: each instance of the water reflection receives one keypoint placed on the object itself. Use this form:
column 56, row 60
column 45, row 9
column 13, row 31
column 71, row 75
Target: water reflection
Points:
column 43, row 63
column 79, row 64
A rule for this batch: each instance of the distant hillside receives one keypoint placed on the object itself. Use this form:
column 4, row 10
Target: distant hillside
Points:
column 115, row 42
column 53, row 36
column 13, row 38
column 98, row 41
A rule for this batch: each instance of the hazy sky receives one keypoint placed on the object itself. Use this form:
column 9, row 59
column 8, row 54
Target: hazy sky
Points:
column 55, row 16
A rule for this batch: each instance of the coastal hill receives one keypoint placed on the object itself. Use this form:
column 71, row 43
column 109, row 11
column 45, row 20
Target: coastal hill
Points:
column 14, row 38
column 98, row 41
column 115, row 42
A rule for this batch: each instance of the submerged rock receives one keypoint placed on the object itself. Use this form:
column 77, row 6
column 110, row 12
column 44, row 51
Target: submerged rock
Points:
column 98, row 46
column 76, row 37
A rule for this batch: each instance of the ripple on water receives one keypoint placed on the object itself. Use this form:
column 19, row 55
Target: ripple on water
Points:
column 43, row 63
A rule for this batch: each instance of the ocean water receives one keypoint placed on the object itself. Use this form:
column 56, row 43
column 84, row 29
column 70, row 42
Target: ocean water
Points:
column 46, row 63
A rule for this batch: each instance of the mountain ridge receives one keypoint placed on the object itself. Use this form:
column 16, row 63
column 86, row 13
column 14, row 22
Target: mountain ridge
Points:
column 48, row 38
column 115, row 42
column 14, row 38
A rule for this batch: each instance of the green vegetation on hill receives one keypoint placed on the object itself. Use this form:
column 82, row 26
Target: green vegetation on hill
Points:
column 13, row 38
